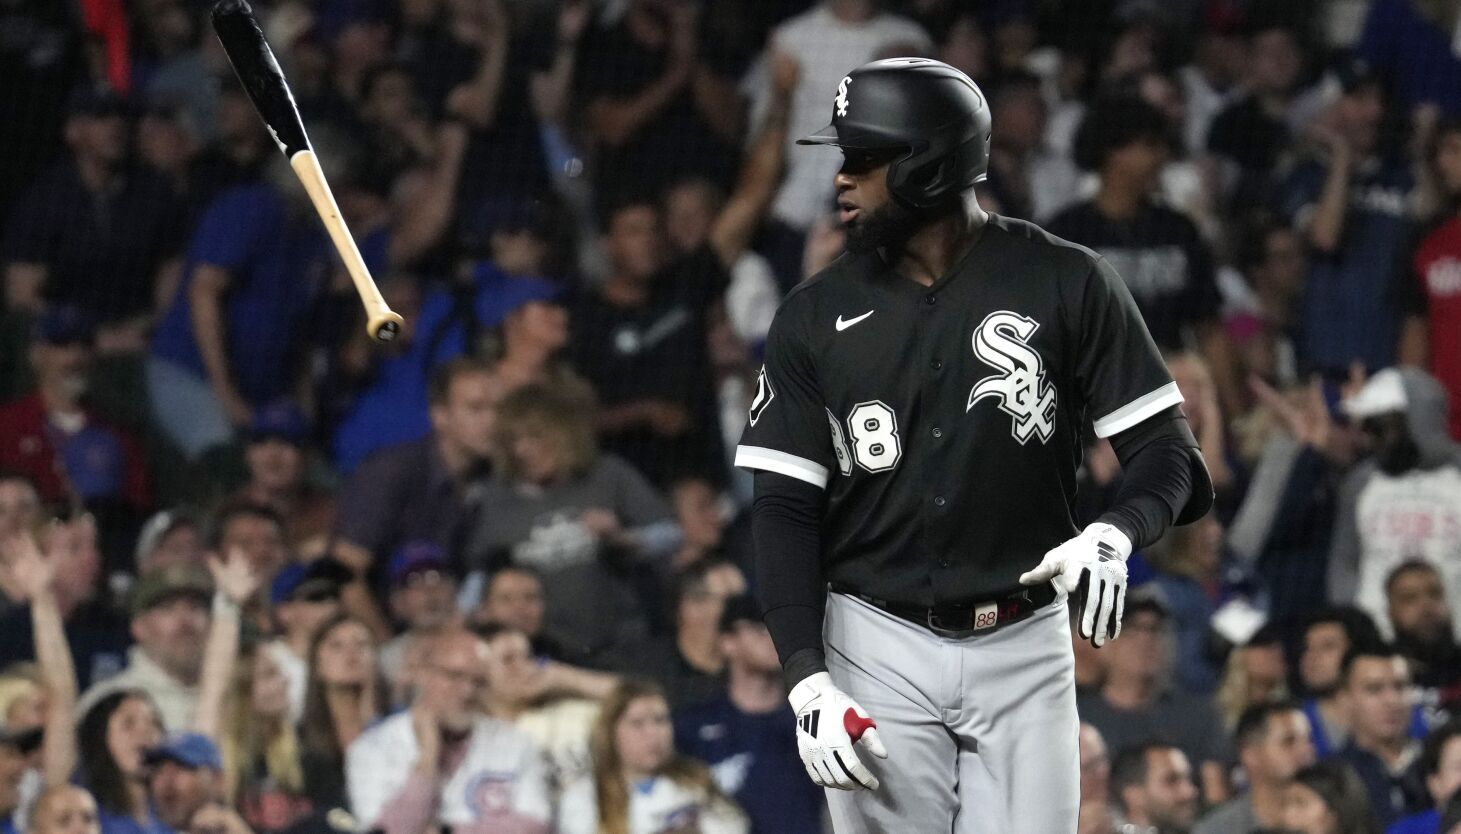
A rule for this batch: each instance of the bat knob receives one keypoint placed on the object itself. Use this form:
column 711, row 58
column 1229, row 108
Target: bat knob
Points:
column 385, row 327
column 226, row 8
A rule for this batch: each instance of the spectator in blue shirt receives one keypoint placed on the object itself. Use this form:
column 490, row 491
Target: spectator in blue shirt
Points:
column 1353, row 207
column 1376, row 692
column 185, row 775
column 747, row 736
column 234, row 337
column 1440, row 765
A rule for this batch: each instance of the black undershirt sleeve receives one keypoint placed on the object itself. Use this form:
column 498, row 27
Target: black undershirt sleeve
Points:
column 786, row 520
column 1164, row 478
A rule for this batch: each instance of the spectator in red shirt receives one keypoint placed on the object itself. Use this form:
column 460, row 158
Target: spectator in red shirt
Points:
column 71, row 455
column 1431, row 337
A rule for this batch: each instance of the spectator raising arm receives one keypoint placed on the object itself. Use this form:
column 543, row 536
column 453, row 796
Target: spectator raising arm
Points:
column 476, row 101
column 716, row 99
column 32, row 573
column 550, row 89
column 761, row 170
column 431, row 206
column 235, row 583
column 615, row 121
column 1327, row 223
column 1415, row 341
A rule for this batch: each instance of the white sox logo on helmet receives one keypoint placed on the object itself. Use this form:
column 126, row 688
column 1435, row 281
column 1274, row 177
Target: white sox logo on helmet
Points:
column 842, row 95
column 1002, row 341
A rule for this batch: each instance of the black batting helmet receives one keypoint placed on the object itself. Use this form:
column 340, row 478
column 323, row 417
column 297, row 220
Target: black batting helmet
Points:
column 926, row 107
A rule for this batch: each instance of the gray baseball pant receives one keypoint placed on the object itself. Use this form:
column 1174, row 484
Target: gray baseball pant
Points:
column 980, row 729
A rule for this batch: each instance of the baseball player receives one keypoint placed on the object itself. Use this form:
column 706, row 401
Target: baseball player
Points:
column 915, row 436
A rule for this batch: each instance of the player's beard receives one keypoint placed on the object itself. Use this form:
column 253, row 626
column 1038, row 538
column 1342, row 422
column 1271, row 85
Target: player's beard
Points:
column 889, row 225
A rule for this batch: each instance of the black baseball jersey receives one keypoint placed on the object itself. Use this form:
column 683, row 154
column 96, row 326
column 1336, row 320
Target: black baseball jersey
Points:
column 945, row 422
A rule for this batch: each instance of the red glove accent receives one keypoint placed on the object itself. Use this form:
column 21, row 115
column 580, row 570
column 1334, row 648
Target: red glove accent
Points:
column 855, row 724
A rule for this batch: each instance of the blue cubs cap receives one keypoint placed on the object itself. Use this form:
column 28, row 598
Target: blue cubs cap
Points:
column 417, row 557
column 297, row 581
column 63, row 324
column 279, row 421
column 191, row 750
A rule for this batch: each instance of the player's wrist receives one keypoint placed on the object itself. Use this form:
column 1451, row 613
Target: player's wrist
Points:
column 808, row 689
column 1112, row 535
column 801, row 665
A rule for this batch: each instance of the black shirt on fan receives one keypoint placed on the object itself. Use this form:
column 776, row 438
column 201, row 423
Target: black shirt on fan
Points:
column 658, row 351
column 945, row 422
column 1161, row 258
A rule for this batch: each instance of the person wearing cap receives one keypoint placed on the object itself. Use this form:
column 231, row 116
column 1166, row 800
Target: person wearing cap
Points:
column 170, row 537
column 442, row 762
column 423, row 599
column 73, row 456
column 277, row 457
column 1352, row 204
column 93, row 231
column 186, row 774
column 303, row 596
column 748, row 734
column 170, row 620
column 1137, row 704
column 1403, row 500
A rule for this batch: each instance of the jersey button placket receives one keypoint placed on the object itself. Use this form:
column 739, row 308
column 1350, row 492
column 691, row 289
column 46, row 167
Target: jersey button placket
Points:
column 937, row 432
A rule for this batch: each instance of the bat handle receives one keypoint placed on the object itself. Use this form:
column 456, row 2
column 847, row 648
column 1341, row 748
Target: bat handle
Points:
column 382, row 323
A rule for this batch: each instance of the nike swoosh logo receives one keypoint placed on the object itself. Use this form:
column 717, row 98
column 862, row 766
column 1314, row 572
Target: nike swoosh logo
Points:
column 843, row 325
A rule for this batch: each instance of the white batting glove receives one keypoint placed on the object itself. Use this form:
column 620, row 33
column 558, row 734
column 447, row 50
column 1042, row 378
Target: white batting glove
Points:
column 1094, row 564
column 828, row 726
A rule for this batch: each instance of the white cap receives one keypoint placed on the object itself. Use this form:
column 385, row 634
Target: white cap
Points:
column 1383, row 393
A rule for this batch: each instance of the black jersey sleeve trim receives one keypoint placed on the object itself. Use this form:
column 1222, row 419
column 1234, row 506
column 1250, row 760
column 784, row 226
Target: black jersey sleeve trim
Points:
column 792, row 466
column 1139, row 409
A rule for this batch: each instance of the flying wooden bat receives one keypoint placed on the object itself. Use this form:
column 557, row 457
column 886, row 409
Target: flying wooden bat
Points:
column 254, row 62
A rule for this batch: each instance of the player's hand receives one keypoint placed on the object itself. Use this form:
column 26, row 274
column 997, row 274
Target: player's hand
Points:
column 828, row 727
column 1093, row 564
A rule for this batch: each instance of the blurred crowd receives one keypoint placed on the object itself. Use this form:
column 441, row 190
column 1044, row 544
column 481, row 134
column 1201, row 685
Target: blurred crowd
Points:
column 260, row 575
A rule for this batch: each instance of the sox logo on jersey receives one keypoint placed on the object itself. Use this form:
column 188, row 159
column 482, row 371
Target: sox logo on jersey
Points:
column 1002, row 341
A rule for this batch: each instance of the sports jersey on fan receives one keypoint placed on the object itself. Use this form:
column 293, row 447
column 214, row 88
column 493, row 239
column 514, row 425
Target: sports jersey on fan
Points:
column 945, row 422
column 755, row 761
column 1436, row 292
column 657, row 805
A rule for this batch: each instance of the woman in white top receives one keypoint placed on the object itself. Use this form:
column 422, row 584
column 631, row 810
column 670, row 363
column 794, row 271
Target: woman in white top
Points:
column 640, row 785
